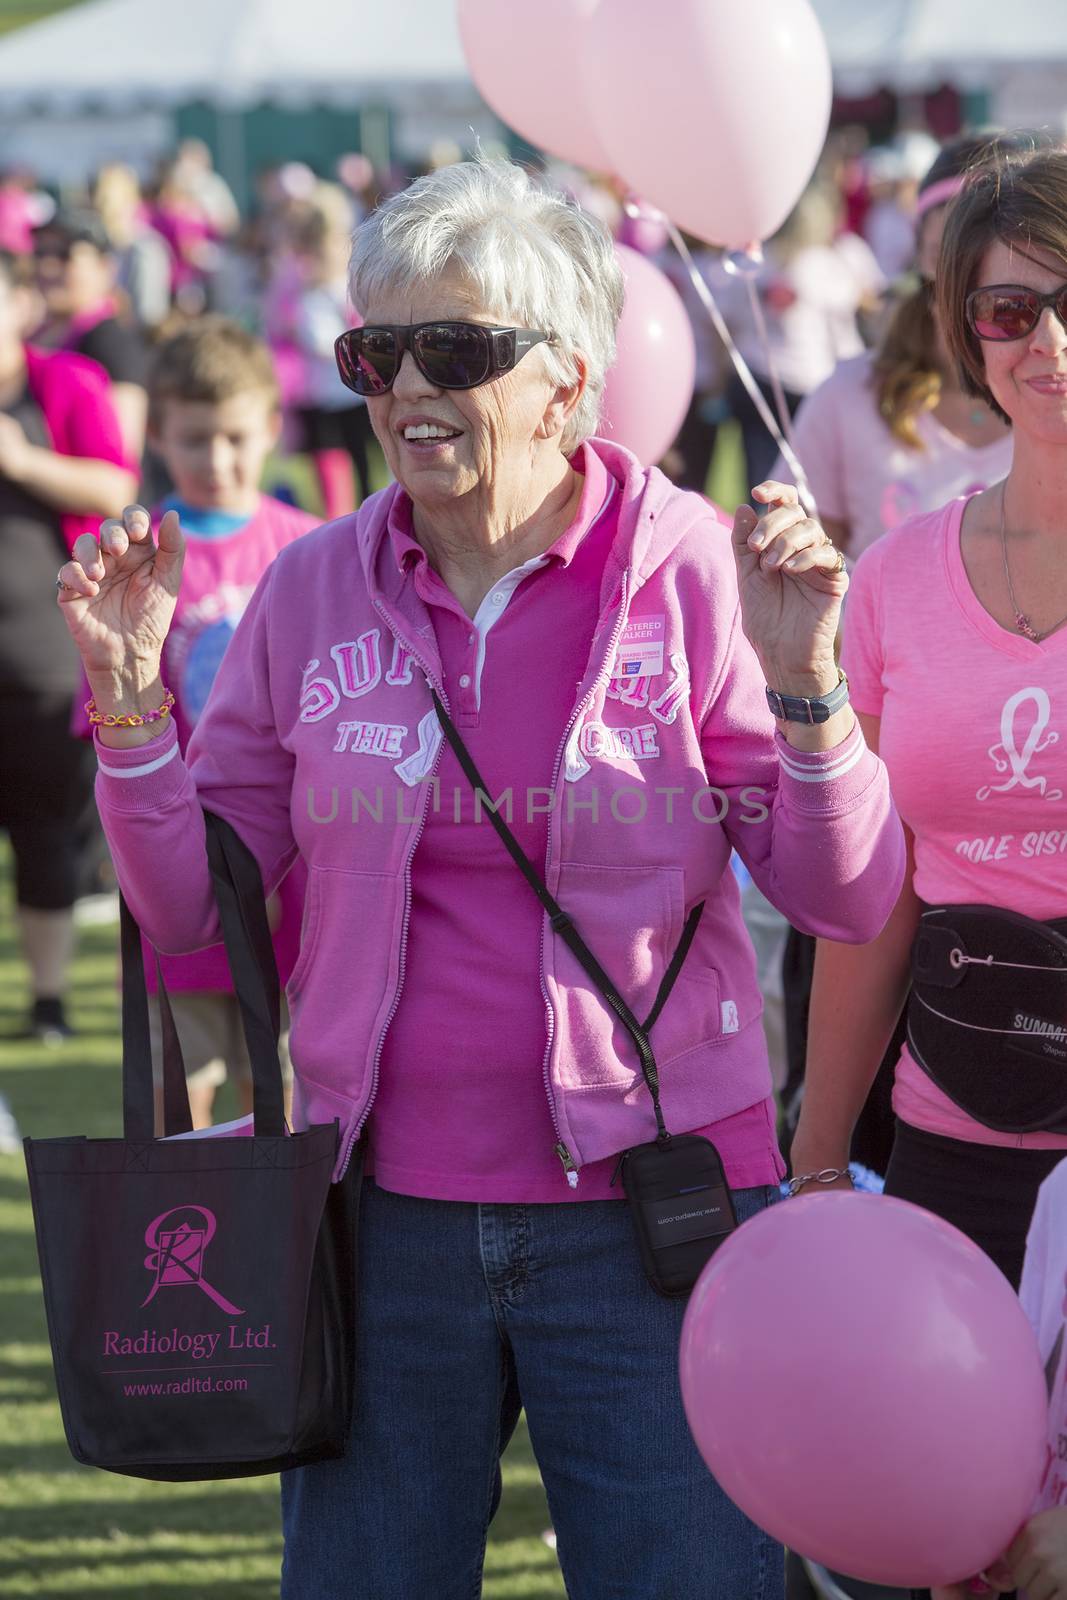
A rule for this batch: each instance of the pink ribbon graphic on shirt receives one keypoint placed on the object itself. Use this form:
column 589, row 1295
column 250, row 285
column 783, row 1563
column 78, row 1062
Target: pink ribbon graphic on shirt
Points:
column 1006, row 755
column 177, row 1257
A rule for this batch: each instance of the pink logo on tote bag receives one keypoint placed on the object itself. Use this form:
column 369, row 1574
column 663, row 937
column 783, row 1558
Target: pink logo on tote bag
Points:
column 178, row 1240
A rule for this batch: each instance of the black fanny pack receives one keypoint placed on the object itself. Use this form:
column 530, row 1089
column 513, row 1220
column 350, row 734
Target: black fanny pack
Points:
column 987, row 1015
column 679, row 1198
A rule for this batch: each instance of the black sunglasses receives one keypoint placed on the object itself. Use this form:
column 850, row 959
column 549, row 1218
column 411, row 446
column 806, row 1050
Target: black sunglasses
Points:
column 450, row 355
column 1004, row 311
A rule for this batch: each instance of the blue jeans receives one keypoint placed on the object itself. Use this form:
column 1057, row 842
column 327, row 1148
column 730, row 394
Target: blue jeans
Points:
column 469, row 1313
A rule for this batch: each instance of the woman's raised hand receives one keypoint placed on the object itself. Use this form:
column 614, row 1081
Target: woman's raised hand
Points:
column 118, row 599
column 792, row 582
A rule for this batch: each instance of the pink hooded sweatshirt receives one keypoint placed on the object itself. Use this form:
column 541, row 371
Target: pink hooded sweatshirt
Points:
column 336, row 630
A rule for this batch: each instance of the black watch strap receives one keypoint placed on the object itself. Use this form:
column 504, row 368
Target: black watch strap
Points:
column 794, row 708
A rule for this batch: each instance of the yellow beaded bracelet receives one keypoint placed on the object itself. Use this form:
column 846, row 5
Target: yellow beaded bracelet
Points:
column 134, row 720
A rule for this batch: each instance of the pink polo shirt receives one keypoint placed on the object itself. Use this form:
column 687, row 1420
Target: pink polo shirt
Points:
column 463, row 1111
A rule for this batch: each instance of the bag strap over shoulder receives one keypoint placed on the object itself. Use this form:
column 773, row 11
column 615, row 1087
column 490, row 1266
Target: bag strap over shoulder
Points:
column 563, row 925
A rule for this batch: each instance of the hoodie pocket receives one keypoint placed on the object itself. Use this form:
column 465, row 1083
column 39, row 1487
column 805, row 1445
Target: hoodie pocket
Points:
column 631, row 917
column 345, row 977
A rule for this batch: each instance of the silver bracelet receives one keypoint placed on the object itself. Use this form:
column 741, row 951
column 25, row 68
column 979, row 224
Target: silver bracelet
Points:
column 827, row 1175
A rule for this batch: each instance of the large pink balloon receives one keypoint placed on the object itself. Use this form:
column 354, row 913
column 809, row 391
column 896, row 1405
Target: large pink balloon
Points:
column 862, row 1381
column 713, row 110
column 528, row 68
column 650, row 386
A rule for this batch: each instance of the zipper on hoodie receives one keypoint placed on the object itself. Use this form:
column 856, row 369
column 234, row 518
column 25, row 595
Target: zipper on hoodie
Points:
column 361, row 1124
column 559, row 1148
column 568, row 1164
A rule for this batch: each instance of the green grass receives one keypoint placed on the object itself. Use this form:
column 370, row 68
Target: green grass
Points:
column 726, row 479
column 67, row 1530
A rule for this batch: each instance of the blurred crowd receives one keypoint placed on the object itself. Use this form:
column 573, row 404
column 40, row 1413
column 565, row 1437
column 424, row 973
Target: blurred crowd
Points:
column 94, row 285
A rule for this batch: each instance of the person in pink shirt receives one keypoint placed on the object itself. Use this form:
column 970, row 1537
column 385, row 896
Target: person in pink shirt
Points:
column 889, row 434
column 956, row 651
column 76, row 272
column 892, row 432
column 214, row 418
column 603, row 644
column 812, row 287
column 61, row 463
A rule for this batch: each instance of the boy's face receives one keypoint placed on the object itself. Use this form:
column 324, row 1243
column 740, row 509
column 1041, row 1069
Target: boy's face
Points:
column 215, row 451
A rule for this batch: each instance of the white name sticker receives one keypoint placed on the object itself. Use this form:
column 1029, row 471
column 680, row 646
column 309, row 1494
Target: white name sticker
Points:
column 640, row 653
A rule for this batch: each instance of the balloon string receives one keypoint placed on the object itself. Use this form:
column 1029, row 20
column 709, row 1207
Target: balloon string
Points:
column 772, row 368
column 755, row 393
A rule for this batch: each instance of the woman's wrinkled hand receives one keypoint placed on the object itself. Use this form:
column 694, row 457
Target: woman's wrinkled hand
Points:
column 119, row 596
column 792, row 582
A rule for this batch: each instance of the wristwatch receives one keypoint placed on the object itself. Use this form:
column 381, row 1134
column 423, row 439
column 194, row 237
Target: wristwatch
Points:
column 794, row 708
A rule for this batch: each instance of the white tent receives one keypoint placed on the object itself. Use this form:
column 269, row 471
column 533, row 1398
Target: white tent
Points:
column 918, row 44
column 103, row 80
column 126, row 53
column 123, row 54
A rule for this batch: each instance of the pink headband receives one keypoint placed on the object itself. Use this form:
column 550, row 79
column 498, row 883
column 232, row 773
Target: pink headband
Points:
column 938, row 193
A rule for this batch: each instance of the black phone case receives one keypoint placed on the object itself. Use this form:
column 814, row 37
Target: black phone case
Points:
column 681, row 1206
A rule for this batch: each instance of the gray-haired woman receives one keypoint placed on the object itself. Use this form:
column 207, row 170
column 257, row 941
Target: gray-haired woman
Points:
column 581, row 620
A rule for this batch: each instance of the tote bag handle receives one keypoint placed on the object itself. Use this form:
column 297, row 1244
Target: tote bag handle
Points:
column 250, row 952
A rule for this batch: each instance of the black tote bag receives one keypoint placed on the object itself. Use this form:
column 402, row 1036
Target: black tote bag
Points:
column 200, row 1293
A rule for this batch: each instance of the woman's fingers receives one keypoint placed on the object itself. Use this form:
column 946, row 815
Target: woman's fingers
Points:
column 119, row 534
column 137, row 524
column 76, row 582
column 170, row 547
column 114, row 540
column 789, row 542
column 820, row 555
column 773, row 524
column 86, row 553
column 785, row 493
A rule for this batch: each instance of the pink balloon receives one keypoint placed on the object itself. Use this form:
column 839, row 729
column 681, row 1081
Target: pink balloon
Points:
column 529, row 71
column 643, row 228
column 713, row 110
column 864, row 1384
column 650, row 386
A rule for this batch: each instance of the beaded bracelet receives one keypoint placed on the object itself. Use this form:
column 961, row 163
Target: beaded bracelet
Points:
column 134, row 720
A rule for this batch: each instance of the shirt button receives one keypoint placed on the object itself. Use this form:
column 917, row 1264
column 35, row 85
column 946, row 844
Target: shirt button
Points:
column 498, row 599
column 465, row 681
column 470, row 638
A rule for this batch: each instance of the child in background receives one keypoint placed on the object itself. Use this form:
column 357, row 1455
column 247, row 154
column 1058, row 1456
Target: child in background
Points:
column 213, row 419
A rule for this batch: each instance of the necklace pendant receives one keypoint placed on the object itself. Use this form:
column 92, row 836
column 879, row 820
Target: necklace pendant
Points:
column 1026, row 627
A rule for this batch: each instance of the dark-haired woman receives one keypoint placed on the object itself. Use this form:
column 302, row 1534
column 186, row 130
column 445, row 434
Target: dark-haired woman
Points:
column 956, row 652
column 889, row 435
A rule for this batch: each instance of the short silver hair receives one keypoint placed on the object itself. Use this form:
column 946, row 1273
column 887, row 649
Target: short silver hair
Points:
column 532, row 256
